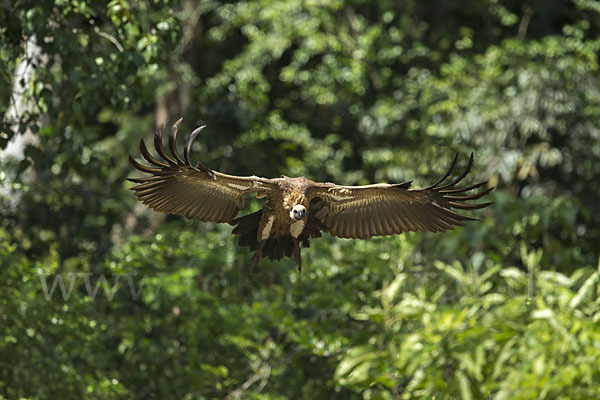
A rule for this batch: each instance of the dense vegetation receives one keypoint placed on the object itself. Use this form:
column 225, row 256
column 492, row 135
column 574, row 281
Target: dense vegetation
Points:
column 153, row 306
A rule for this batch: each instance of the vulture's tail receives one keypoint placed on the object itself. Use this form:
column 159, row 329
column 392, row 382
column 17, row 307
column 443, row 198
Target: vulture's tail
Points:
column 275, row 247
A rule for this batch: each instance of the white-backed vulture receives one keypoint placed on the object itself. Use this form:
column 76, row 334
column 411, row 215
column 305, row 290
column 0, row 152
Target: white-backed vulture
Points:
column 296, row 209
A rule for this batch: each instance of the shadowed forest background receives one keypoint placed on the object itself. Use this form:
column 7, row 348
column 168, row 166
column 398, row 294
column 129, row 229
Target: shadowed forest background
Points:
column 352, row 92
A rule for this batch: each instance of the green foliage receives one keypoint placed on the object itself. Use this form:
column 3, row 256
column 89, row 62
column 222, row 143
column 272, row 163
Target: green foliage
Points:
column 345, row 91
column 476, row 335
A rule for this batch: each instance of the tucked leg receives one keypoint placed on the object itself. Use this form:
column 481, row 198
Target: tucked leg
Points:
column 257, row 254
column 298, row 257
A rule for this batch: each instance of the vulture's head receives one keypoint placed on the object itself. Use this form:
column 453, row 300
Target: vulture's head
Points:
column 298, row 212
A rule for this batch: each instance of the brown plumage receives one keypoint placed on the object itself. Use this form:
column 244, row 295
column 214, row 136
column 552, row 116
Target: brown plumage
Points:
column 296, row 209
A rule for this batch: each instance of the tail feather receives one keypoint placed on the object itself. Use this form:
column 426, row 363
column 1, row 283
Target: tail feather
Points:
column 275, row 247
column 278, row 247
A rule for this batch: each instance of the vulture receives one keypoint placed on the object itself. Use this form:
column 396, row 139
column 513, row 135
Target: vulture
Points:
column 296, row 209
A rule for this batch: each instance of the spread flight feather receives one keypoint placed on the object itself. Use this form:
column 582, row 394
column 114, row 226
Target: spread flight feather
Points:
column 296, row 209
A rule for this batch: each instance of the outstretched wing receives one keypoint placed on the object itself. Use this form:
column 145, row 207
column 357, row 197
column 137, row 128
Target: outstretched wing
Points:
column 175, row 186
column 385, row 209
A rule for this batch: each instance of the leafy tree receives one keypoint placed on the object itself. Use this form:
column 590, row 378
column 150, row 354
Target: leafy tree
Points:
column 351, row 92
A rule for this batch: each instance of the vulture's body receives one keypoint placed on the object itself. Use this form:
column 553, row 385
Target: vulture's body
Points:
column 296, row 209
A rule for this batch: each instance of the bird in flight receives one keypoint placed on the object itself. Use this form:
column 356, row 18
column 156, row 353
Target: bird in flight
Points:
column 296, row 209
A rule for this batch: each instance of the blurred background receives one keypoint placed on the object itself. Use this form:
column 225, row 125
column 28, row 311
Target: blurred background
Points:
column 101, row 298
